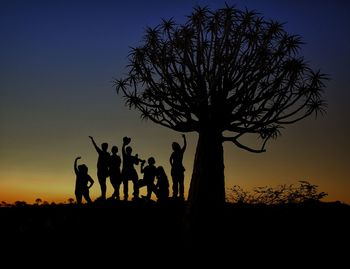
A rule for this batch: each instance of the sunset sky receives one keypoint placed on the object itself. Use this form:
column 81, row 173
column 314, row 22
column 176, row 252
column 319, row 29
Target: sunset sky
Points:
column 57, row 63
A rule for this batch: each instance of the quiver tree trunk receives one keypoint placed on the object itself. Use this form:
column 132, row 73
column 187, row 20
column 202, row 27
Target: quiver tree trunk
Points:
column 206, row 197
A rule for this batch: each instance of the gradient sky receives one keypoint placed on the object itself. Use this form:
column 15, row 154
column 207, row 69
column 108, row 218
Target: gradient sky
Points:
column 57, row 61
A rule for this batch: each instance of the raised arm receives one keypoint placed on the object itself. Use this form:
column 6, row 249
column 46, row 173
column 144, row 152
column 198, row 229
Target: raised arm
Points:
column 94, row 143
column 123, row 149
column 75, row 165
column 185, row 143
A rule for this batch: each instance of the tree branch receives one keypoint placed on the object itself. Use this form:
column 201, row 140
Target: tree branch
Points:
column 238, row 144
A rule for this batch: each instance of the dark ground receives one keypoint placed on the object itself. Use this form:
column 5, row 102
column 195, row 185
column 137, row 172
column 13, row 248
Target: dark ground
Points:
column 135, row 234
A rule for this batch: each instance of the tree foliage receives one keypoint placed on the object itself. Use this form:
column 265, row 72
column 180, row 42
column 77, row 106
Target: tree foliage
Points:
column 228, row 69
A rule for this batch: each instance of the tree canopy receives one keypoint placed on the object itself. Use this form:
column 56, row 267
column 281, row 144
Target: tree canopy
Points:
column 227, row 69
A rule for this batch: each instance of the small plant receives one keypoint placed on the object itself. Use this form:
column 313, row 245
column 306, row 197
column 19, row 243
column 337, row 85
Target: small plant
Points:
column 281, row 194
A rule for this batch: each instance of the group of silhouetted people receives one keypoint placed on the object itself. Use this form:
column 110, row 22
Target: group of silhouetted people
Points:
column 108, row 165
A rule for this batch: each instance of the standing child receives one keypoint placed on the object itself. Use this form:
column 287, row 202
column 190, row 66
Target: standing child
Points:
column 128, row 170
column 102, row 166
column 177, row 168
column 114, row 172
column 82, row 182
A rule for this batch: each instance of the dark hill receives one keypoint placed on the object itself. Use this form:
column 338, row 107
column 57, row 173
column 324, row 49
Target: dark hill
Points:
column 139, row 233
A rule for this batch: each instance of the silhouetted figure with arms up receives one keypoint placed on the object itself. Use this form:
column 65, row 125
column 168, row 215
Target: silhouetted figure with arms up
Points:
column 162, row 186
column 102, row 166
column 149, row 174
column 82, row 182
column 128, row 170
column 114, row 172
column 177, row 168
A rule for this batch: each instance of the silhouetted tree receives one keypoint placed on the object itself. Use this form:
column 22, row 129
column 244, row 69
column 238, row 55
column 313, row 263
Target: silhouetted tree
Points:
column 228, row 75
column 70, row 200
column 38, row 201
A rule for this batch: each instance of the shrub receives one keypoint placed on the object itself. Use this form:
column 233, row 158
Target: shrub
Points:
column 281, row 194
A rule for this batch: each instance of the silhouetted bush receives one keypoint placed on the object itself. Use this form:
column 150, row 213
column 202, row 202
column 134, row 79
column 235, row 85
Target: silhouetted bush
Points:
column 20, row 203
column 281, row 194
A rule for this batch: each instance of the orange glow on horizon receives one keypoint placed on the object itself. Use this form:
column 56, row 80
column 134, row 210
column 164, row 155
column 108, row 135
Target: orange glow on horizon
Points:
column 12, row 190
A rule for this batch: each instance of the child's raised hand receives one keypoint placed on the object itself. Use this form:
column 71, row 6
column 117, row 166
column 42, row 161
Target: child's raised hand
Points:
column 126, row 140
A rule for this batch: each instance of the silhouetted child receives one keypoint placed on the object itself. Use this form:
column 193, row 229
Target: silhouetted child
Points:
column 128, row 170
column 162, row 186
column 102, row 166
column 177, row 168
column 114, row 172
column 82, row 182
column 149, row 174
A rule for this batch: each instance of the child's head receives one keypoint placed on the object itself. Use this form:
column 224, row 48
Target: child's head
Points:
column 176, row 146
column 104, row 146
column 114, row 149
column 83, row 168
column 160, row 171
column 128, row 150
column 151, row 161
